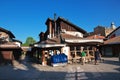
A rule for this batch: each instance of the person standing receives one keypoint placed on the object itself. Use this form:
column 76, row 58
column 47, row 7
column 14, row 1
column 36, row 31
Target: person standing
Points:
column 97, row 55
column 83, row 55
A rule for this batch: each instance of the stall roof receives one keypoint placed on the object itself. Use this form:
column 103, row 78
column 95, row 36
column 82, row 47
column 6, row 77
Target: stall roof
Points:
column 95, row 37
column 8, row 32
column 115, row 40
column 48, row 45
column 83, row 40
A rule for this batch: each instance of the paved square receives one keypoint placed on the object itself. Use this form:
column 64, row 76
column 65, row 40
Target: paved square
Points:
column 107, row 70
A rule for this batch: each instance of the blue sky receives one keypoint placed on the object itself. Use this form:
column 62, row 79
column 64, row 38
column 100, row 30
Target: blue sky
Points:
column 26, row 18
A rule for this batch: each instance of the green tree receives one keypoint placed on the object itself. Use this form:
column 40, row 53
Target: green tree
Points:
column 29, row 41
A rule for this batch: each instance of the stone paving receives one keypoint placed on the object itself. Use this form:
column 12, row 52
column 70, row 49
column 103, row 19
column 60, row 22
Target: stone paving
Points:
column 107, row 70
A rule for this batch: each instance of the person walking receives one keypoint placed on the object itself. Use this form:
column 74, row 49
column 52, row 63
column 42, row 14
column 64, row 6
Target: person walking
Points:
column 83, row 55
column 97, row 55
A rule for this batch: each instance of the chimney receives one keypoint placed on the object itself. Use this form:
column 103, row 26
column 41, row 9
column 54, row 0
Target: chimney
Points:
column 55, row 16
column 55, row 31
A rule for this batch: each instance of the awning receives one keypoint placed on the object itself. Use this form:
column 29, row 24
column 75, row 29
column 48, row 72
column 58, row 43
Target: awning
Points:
column 84, row 40
column 49, row 45
column 8, row 46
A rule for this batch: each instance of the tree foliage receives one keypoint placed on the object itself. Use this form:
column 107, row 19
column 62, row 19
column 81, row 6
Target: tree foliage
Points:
column 29, row 41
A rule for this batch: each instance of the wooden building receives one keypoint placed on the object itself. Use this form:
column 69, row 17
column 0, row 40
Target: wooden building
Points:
column 112, row 44
column 10, row 48
column 62, row 36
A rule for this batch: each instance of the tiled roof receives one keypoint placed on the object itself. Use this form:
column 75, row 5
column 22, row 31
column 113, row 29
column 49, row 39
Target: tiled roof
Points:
column 95, row 37
column 57, row 40
column 8, row 32
column 68, row 36
column 75, row 26
column 51, row 41
column 68, row 22
column 49, row 19
column 8, row 45
column 115, row 40
column 17, row 41
column 113, row 31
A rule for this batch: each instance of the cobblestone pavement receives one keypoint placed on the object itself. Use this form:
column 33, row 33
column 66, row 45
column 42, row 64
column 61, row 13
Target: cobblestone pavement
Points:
column 107, row 70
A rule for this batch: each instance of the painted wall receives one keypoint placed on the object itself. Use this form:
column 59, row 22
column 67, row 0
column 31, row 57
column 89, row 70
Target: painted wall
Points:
column 18, row 44
column 66, row 50
column 4, row 36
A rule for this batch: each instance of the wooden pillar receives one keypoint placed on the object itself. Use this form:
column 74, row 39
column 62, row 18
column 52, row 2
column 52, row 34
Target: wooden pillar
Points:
column 38, row 54
column 75, row 52
column 88, row 52
column 88, row 55
column 53, row 32
column 93, row 50
column 43, row 58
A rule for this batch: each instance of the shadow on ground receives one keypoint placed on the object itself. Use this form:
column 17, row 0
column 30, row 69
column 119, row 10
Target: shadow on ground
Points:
column 32, row 71
column 111, row 62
